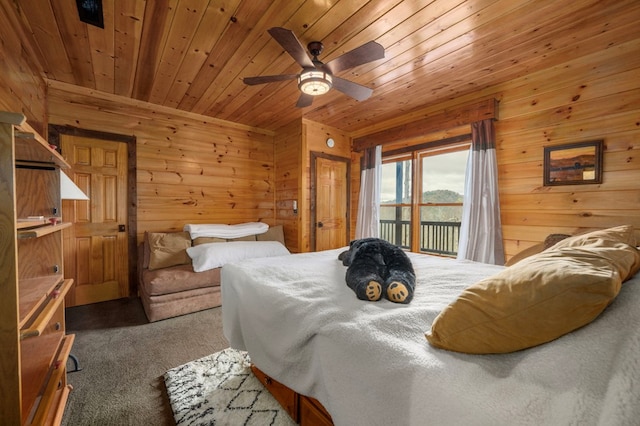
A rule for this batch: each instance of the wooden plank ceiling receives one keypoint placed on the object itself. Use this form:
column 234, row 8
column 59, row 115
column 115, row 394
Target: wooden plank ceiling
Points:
column 193, row 54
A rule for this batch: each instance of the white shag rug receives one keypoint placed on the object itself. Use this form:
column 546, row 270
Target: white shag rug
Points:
column 220, row 389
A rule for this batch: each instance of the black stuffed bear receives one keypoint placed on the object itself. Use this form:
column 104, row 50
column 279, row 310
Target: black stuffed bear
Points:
column 376, row 268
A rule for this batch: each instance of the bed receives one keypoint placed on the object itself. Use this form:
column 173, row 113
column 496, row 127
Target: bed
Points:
column 369, row 363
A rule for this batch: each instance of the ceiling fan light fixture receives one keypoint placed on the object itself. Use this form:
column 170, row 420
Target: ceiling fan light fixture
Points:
column 316, row 77
column 314, row 82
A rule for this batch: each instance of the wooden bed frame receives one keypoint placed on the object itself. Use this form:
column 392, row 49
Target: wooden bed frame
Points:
column 304, row 410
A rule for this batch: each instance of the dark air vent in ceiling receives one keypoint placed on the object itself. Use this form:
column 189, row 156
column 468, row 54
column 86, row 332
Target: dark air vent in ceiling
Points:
column 90, row 11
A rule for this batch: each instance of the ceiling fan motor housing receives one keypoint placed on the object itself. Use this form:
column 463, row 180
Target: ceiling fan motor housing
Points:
column 315, row 48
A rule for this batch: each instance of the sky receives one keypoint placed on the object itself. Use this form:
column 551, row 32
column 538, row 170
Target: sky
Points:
column 444, row 171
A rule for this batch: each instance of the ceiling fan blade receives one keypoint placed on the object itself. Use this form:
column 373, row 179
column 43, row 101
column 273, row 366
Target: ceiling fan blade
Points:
column 291, row 44
column 304, row 100
column 268, row 79
column 366, row 53
column 355, row 90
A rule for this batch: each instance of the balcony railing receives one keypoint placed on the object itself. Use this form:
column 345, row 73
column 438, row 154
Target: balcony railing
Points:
column 435, row 237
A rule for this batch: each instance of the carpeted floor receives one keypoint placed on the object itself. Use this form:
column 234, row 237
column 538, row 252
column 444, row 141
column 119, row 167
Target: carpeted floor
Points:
column 124, row 358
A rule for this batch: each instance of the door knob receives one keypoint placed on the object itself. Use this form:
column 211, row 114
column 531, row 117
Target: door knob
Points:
column 121, row 228
column 320, row 224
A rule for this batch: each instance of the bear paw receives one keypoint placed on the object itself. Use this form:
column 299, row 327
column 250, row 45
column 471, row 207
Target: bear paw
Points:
column 373, row 291
column 397, row 292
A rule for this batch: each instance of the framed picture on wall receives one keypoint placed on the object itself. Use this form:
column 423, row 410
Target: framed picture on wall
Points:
column 573, row 164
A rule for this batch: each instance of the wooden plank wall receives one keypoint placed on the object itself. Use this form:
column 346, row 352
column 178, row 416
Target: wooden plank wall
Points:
column 594, row 97
column 356, row 174
column 193, row 168
column 22, row 89
column 190, row 168
column 314, row 139
column 293, row 146
column 288, row 159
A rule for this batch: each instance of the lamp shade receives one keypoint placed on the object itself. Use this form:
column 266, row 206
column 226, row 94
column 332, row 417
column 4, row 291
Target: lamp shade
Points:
column 69, row 190
column 314, row 82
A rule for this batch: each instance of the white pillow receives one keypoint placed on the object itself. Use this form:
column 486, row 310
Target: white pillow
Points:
column 213, row 255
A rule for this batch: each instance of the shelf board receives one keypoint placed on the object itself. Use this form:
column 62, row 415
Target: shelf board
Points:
column 38, row 355
column 31, row 223
column 37, row 324
column 15, row 118
column 33, row 292
column 42, row 230
column 49, row 403
column 29, row 145
column 54, row 417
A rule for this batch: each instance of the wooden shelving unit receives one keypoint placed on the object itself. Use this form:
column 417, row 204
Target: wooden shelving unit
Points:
column 33, row 339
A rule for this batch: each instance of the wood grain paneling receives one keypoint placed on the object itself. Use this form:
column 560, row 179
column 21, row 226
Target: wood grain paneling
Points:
column 38, row 259
column 30, row 180
column 356, row 175
column 293, row 145
column 417, row 130
column 314, row 137
column 561, row 72
column 288, row 181
column 193, row 54
column 22, row 88
column 598, row 102
column 190, row 169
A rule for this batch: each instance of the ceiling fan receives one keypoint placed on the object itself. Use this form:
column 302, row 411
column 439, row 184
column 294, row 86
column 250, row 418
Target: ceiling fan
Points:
column 318, row 78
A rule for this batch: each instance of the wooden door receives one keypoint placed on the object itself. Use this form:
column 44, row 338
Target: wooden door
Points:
column 96, row 252
column 331, row 203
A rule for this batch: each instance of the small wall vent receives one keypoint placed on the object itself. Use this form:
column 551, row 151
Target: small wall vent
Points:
column 90, row 12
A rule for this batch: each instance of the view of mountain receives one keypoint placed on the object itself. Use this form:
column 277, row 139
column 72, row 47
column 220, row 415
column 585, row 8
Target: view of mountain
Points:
column 437, row 196
column 441, row 196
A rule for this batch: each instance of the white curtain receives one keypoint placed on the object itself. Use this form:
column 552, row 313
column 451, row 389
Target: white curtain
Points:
column 368, row 220
column 481, row 230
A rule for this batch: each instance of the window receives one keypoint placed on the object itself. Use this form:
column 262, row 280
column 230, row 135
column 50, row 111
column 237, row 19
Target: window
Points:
column 396, row 201
column 421, row 198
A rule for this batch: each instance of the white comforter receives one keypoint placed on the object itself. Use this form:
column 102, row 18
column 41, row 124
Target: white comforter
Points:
column 369, row 363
